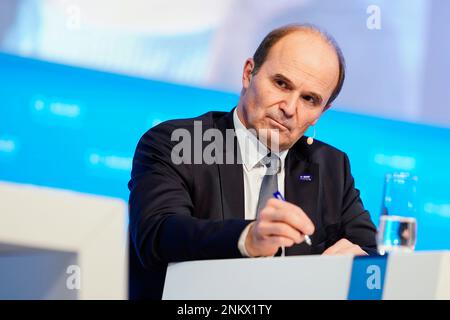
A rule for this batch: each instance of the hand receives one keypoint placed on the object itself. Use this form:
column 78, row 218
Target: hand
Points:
column 279, row 224
column 344, row 246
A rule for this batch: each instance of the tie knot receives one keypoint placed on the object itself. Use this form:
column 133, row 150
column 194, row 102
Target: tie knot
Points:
column 272, row 162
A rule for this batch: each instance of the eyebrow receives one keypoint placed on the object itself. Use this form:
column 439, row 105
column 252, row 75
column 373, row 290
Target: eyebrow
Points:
column 316, row 96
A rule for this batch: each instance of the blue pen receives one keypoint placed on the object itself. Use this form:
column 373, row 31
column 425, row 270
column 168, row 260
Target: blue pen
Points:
column 279, row 196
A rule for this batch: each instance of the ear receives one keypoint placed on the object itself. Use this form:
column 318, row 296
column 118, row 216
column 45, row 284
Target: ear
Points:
column 247, row 72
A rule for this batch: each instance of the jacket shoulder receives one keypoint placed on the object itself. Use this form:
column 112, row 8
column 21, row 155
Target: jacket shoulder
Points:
column 207, row 119
column 162, row 132
column 321, row 147
column 319, row 151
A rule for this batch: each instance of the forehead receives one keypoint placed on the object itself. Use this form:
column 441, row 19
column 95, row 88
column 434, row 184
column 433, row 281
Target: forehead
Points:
column 306, row 59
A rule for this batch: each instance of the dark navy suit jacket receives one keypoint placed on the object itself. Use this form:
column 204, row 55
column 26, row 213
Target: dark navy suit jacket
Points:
column 196, row 211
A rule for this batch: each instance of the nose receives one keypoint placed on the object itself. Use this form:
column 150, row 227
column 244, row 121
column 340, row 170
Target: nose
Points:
column 289, row 105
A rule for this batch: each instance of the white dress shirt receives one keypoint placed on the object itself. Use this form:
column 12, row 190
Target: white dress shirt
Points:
column 252, row 152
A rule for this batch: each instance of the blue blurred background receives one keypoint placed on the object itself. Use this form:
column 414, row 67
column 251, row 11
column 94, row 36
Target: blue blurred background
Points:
column 81, row 81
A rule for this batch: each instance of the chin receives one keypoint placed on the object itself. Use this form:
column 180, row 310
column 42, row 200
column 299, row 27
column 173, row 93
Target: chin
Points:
column 283, row 145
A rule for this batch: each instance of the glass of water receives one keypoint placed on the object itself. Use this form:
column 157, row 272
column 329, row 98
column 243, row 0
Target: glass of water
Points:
column 397, row 231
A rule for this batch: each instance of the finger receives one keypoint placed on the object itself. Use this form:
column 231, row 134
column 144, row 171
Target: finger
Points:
column 288, row 213
column 330, row 251
column 275, row 203
column 267, row 228
column 333, row 249
column 353, row 249
column 301, row 218
column 280, row 241
column 342, row 246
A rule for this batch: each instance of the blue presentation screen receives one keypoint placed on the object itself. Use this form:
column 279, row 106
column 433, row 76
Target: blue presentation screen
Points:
column 77, row 129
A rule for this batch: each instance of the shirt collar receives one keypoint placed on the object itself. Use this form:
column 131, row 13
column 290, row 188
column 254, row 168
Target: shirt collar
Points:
column 252, row 150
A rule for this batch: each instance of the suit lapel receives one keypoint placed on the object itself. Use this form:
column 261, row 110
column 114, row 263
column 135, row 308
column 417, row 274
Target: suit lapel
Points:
column 231, row 176
column 302, row 188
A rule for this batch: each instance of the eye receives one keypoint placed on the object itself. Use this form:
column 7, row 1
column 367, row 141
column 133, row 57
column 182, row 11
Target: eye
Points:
column 280, row 83
column 310, row 99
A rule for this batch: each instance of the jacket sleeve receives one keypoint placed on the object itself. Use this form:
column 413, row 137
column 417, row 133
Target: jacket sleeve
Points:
column 163, row 228
column 356, row 222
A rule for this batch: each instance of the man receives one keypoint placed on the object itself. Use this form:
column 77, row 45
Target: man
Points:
column 181, row 210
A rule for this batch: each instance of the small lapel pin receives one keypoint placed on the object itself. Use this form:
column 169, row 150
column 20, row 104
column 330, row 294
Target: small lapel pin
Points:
column 305, row 177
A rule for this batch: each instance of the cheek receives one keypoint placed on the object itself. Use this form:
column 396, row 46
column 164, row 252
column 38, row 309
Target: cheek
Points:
column 306, row 117
column 258, row 109
column 264, row 95
column 295, row 134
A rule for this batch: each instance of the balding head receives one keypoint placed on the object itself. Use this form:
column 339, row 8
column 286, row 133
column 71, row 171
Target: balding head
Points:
column 276, row 35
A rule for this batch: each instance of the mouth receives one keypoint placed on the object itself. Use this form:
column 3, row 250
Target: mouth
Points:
column 278, row 124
